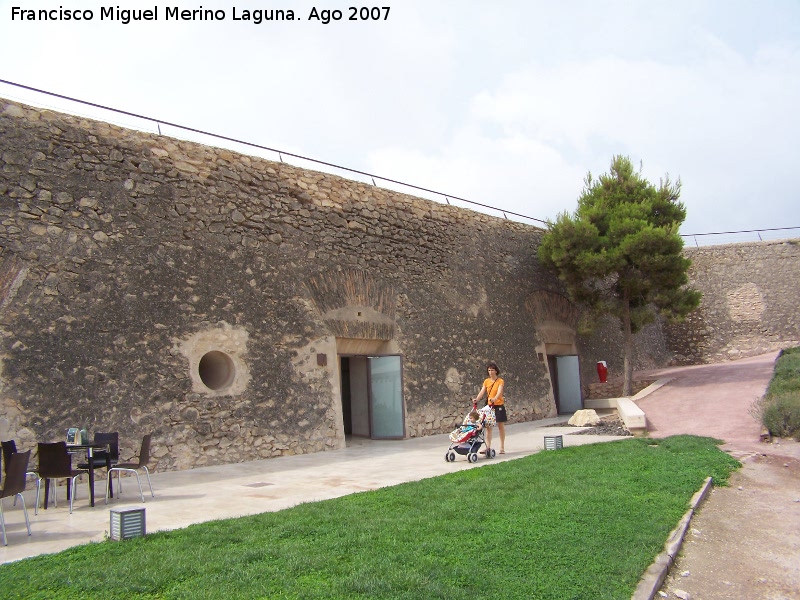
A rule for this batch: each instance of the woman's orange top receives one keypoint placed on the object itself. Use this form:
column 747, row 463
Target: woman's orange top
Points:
column 491, row 389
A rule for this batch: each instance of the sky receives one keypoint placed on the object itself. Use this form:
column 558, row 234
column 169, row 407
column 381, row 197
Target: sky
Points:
column 508, row 103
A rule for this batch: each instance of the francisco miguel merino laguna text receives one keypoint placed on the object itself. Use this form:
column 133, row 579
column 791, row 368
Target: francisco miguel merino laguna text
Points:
column 175, row 13
column 126, row 15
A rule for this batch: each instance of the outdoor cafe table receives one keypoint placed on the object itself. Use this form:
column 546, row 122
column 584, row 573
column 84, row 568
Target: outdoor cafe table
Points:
column 89, row 449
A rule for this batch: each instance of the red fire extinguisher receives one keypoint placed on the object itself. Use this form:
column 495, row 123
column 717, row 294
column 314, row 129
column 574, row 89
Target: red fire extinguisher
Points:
column 602, row 371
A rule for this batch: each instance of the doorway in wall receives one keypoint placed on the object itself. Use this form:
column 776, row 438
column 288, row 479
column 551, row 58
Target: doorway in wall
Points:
column 566, row 378
column 372, row 396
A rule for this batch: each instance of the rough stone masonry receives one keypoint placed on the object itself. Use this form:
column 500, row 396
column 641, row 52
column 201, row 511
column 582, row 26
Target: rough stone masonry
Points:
column 129, row 258
column 152, row 285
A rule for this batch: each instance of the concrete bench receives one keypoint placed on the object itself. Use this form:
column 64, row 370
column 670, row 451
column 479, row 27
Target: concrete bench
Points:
column 630, row 413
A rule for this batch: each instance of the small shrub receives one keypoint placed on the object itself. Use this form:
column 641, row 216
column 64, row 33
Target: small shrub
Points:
column 756, row 409
column 779, row 409
column 786, row 377
column 781, row 415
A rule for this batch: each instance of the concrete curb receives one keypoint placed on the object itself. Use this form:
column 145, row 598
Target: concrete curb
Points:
column 656, row 385
column 656, row 573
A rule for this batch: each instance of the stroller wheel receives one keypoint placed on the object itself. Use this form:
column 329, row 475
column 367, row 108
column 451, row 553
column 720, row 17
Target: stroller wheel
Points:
column 493, row 453
column 472, row 457
column 450, row 457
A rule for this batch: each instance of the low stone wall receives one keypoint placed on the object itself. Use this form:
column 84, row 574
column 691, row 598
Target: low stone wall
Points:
column 613, row 389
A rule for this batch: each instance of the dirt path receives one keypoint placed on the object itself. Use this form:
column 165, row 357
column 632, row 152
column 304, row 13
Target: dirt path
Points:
column 744, row 542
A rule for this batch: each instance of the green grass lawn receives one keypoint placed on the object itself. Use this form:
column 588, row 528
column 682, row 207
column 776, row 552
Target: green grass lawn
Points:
column 582, row 522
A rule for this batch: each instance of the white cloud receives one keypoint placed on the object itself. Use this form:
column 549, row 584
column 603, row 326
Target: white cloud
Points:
column 516, row 173
column 725, row 124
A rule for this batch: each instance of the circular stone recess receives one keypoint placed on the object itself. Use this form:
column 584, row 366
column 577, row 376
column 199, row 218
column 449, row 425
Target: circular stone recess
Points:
column 216, row 370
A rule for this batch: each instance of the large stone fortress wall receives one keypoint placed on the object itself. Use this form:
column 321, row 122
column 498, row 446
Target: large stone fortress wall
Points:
column 154, row 285
column 133, row 262
column 751, row 302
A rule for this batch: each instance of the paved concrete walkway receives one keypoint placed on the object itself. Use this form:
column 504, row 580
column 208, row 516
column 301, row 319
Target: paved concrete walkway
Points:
column 210, row 493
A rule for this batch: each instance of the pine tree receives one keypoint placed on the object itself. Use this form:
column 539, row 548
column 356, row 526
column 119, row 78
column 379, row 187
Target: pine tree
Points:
column 620, row 252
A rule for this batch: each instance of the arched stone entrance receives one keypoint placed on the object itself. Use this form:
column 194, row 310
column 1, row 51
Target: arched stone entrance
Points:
column 360, row 314
column 556, row 319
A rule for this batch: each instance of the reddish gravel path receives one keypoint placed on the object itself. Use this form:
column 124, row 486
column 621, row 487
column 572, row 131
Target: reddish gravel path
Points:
column 711, row 400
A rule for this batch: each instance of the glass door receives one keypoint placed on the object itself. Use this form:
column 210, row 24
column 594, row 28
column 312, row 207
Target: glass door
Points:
column 569, row 384
column 387, row 413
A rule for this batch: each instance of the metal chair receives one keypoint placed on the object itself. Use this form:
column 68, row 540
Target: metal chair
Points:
column 14, row 485
column 133, row 467
column 55, row 462
column 9, row 449
column 101, row 458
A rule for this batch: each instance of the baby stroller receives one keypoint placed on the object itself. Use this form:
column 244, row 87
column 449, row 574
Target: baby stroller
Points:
column 468, row 439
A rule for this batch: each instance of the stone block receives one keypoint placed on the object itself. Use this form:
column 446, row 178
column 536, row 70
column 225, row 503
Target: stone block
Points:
column 584, row 418
column 633, row 416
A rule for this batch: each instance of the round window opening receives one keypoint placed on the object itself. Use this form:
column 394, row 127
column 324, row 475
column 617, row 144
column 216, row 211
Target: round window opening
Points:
column 216, row 370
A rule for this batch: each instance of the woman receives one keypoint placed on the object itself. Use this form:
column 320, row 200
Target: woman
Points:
column 493, row 389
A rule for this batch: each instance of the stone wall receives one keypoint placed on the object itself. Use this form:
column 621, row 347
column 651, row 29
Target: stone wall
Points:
column 149, row 284
column 605, row 343
column 749, row 307
column 132, row 263
column 613, row 389
column 751, row 295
